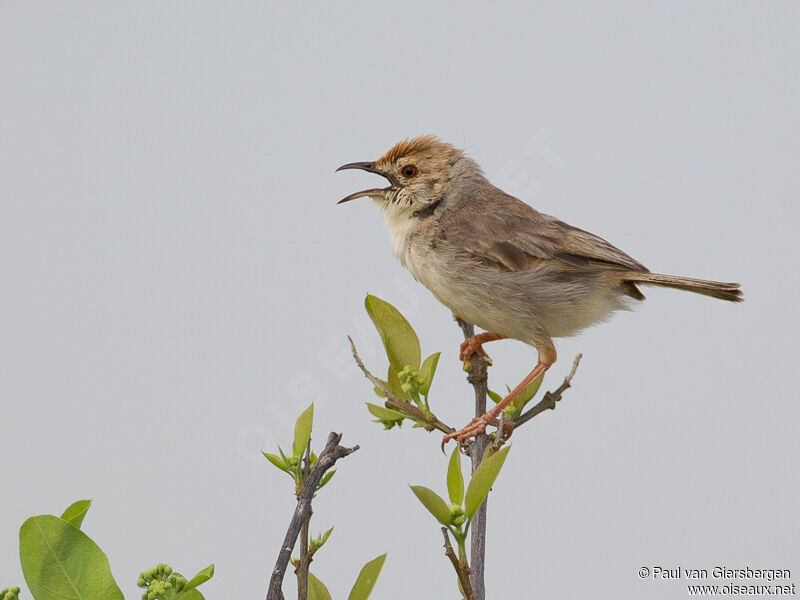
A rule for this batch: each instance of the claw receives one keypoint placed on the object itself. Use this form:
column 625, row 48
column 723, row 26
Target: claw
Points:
column 475, row 427
column 469, row 347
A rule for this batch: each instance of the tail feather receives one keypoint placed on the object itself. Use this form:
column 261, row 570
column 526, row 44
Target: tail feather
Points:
column 715, row 289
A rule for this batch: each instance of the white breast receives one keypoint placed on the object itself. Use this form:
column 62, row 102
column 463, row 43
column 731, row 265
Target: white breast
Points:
column 401, row 227
column 410, row 247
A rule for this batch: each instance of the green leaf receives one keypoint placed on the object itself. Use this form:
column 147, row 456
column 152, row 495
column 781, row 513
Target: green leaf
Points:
column 200, row 578
column 483, row 479
column 61, row 562
column 76, row 512
column 317, row 589
column 326, row 478
column 366, row 579
column 433, row 502
column 455, row 480
column 302, row 431
column 426, row 373
column 385, row 414
column 325, row 537
column 399, row 338
column 283, row 456
column 496, row 398
column 276, row 460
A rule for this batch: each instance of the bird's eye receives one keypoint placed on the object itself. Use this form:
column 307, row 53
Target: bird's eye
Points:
column 410, row 171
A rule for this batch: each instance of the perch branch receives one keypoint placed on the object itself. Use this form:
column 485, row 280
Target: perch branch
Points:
column 332, row 452
column 392, row 401
column 478, row 376
column 462, row 571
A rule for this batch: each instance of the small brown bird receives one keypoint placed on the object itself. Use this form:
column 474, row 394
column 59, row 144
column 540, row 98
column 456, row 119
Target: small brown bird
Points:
column 498, row 263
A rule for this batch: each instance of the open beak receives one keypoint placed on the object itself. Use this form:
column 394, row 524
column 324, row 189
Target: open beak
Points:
column 367, row 166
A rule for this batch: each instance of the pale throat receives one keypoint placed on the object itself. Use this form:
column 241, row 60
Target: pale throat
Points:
column 401, row 225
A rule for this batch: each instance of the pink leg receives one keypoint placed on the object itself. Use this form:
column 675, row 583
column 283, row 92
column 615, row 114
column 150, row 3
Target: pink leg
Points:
column 478, row 425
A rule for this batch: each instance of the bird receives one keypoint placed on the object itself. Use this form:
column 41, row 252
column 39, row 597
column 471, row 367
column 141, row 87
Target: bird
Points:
column 500, row 264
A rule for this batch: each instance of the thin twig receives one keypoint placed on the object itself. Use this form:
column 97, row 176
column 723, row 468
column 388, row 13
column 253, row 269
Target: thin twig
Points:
column 429, row 422
column 332, row 452
column 462, row 571
column 548, row 402
column 478, row 376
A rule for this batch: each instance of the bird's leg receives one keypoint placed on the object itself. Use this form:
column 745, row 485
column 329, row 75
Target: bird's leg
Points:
column 478, row 425
column 474, row 345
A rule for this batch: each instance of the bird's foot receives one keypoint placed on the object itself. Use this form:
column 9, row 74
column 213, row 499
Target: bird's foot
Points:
column 472, row 346
column 476, row 427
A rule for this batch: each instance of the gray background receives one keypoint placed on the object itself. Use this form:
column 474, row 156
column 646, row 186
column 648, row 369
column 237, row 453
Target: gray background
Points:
column 177, row 281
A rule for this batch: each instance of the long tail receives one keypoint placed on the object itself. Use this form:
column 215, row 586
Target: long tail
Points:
column 715, row 289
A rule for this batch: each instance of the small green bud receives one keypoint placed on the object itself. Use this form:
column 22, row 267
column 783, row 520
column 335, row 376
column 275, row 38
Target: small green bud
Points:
column 160, row 581
column 11, row 593
column 157, row 589
column 145, row 577
column 409, row 379
column 457, row 516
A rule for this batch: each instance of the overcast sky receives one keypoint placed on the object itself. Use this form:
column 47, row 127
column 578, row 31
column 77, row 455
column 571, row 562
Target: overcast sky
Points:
column 178, row 282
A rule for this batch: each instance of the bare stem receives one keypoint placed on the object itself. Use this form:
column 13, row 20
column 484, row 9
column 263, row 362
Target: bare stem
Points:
column 429, row 422
column 462, row 570
column 332, row 452
column 478, row 376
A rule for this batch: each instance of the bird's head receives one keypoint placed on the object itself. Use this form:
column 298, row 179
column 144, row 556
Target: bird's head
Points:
column 421, row 171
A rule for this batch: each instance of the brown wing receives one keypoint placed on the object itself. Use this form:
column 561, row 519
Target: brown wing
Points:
column 510, row 234
column 587, row 246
